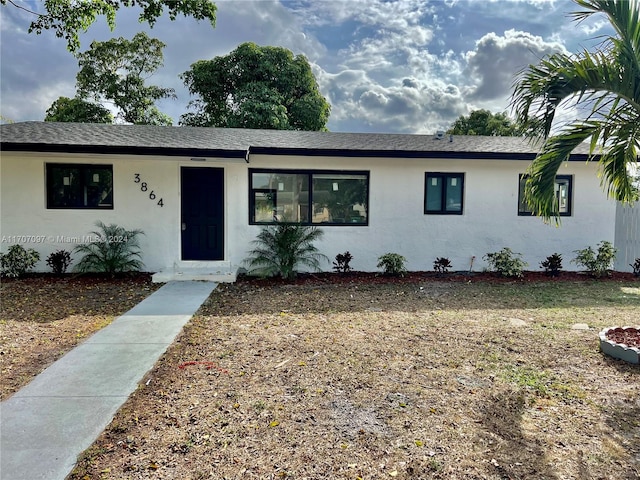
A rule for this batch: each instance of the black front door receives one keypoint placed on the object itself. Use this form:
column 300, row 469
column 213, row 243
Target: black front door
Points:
column 202, row 207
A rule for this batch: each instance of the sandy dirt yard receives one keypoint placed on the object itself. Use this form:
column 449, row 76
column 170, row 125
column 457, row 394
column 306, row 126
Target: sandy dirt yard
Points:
column 457, row 377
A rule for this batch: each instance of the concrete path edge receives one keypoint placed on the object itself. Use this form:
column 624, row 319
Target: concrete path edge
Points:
column 59, row 414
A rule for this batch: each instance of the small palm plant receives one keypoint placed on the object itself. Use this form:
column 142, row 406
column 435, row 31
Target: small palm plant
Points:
column 282, row 248
column 112, row 250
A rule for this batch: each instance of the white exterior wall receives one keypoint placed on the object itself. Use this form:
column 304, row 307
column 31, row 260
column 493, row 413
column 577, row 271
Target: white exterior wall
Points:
column 396, row 220
column 490, row 220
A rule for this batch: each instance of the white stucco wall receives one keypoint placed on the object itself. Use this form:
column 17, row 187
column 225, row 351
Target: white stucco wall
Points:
column 396, row 219
column 490, row 221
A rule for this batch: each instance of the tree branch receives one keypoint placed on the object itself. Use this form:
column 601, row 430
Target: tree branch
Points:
column 25, row 9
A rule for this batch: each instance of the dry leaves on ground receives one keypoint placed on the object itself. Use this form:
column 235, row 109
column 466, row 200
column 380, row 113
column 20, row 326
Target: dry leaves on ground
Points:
column 44, row 316
column 414, row 379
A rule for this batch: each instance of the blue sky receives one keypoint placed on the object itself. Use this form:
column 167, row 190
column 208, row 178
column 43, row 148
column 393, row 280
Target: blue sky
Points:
column 407, row 66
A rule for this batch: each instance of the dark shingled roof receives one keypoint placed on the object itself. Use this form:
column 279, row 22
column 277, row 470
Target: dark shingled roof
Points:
column 239, row 143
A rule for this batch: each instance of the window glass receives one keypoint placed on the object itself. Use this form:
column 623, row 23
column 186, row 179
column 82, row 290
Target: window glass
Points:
column 309, row 197
column 285, row 197
column 453, row 195
column 339, row 198
column 434, row 194
column 264, row 205
column 79, row 186
column 444, row 193
column 562, row 194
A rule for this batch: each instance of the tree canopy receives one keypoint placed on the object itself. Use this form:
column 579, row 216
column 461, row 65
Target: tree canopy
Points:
column 115, row 71
column 483, row 122
column 69, row 18
column 255, row 87
column 77, row 110
column 607, row 84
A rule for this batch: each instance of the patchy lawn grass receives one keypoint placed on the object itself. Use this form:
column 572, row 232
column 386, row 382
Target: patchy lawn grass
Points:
column 415, row 379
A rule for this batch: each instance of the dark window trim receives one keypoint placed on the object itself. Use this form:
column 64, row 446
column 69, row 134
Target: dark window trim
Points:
column 528, row 213
column 309, row 173
column 443, row 175
column 49, row 193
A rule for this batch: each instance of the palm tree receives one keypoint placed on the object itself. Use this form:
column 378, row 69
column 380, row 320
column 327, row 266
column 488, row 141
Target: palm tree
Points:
column 607, row 82
column 281, row 248
column 113, row 250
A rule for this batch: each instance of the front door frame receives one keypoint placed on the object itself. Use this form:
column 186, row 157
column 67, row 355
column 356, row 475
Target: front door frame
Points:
column 207, row 240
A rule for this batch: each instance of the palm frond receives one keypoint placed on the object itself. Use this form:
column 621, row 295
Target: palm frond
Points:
column 112, row 250
column 541, row 174
column 608, row 82
column 280, row 249
column 621, row 152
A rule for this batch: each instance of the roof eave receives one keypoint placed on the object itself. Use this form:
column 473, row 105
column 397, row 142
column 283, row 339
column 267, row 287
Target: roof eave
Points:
column 352, row 153
column 244, row 153
column 123, row 150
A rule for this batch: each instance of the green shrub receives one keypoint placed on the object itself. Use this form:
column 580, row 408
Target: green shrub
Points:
column 596, row 264
column 114, row 250
column 441, row 265
column 282, row 248
column 18, row 261
column 59, row 261
column 341, row 263
column 392, row 264
column 552, row 264
column 506, row 262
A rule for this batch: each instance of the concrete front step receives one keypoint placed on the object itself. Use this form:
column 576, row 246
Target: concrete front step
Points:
column 214, row 273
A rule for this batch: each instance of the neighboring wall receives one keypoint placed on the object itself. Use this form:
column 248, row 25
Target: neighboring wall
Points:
column 627, row 239
column 396, row 219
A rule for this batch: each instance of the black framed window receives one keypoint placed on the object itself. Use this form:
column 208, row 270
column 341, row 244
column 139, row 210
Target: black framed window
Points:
column 311, row 197
column 563, row 190
column 79, row 186
column 443, row 193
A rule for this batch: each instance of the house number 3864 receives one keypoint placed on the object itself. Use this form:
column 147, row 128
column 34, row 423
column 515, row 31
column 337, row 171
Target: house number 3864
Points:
column 144, row 187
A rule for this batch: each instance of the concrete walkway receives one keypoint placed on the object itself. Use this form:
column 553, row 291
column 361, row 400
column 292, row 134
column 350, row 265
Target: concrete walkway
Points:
column 48, row 423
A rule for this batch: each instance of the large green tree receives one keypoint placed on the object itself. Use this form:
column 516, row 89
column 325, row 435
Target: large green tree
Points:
column 77, row 110
column 255, row 87
column 483, row 122
column 68, row 18
column 116, row 70
column 606, row 83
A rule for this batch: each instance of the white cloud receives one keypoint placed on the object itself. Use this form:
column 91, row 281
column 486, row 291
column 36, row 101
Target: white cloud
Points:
column 408, row 105
column 387, row 80
column 400, row 77
column 493, row 65
column 395, row 15
column 536, row 3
